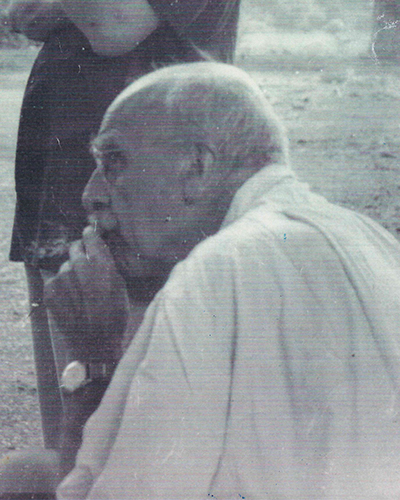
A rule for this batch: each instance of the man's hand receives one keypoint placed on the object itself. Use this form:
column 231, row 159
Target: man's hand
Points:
column 89, row 302
column 35, row 18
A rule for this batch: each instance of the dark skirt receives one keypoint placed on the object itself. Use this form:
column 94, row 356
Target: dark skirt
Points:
column 67, row 94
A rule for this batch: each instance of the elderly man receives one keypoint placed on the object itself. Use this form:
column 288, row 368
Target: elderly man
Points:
column 268, row 365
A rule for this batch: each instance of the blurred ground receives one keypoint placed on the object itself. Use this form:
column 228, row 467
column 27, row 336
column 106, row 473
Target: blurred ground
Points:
column 341, row 106
column 19, row 415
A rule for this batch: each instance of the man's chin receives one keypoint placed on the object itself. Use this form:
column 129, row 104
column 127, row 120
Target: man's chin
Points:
column 143, row 277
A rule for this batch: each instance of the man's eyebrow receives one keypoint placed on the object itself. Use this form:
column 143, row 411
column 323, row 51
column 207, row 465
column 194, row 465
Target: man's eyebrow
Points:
column 102, row 145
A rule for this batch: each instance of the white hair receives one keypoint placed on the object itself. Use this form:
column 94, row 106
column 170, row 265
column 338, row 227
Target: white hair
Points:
column 206, row 102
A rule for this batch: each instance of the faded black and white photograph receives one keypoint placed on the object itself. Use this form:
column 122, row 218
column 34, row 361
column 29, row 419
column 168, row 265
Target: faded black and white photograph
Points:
column 200, row 249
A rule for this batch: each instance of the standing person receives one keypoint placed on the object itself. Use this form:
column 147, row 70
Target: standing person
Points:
column 92, row 50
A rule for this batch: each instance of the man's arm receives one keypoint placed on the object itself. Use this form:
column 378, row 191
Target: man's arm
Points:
column 35, row 18
column 88, row 300
column 88, row 304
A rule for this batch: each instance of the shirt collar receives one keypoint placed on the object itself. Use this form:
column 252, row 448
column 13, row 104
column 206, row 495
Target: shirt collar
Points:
column 256, row 190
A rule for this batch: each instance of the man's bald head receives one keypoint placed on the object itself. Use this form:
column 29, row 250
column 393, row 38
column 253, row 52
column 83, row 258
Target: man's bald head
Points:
column 211, row 103
column 172, row 151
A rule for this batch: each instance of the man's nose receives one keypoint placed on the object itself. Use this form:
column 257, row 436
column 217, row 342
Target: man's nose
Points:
column 97, row 202
column 96, row 196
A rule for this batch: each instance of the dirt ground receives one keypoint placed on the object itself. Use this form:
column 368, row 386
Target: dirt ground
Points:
column 342, row 116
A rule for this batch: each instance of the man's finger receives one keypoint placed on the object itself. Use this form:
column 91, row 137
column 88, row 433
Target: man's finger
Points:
column 76, row 251
column 97, row 250
column 90, row 250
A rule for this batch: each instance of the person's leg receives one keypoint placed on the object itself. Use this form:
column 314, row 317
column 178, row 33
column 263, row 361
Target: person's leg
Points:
column 46, row 373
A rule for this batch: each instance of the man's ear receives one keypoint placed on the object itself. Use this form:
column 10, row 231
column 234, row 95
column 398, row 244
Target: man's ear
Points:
column 198, row 173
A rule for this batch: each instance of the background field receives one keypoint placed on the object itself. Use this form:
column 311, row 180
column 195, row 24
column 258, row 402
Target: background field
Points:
column 315, row 62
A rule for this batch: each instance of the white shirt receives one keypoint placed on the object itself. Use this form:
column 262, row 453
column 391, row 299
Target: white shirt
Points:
column 267, row 367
